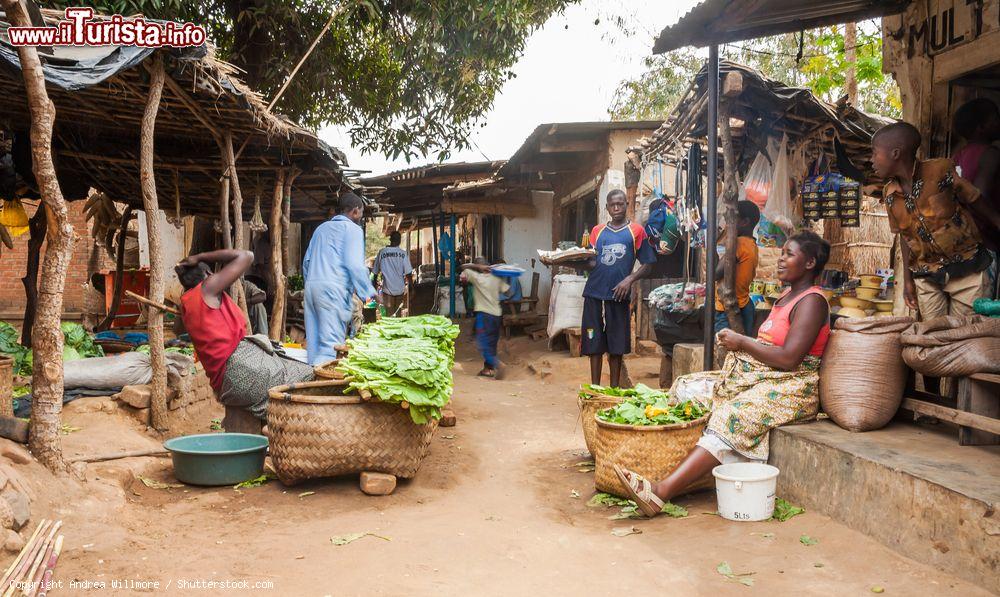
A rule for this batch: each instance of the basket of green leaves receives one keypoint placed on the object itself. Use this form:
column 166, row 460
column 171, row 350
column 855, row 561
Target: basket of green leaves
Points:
column 648, row 433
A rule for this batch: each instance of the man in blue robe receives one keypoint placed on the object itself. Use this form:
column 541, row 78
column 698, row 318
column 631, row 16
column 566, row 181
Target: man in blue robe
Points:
column 334, row 271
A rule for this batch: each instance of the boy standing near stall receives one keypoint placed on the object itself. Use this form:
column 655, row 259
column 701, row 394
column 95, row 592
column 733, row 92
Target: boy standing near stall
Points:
column 486, row 290
column 748, row 216
column 607, row 326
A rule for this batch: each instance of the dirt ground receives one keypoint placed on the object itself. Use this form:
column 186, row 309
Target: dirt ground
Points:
column 492, row 512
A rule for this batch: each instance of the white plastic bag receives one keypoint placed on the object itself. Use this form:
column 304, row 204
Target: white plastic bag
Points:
column 757, row 185
column 442, row 301
column 779, row 209
column 565, row 304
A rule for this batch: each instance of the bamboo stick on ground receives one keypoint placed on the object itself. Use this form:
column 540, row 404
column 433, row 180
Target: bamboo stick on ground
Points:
column 36, row 577
column 118, row 455
column 26, row 562
column 50, row 567
column 20, row 556
column 28, row 567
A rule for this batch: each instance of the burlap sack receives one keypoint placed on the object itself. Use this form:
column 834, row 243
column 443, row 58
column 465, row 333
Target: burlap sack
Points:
column 953, row 346
column 862, row 376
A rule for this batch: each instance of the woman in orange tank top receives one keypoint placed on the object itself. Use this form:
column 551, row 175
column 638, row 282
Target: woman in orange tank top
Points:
column 766, row 382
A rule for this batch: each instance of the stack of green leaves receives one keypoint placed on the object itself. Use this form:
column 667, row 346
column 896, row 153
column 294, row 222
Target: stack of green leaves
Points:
column 652, row 407
column 411, row 370
column 10, row 347
column 434, row 327
column 77, row 344
column 642, row 391
column 78, row 341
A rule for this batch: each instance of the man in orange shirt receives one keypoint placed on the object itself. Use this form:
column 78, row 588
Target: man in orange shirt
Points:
column 748, row 215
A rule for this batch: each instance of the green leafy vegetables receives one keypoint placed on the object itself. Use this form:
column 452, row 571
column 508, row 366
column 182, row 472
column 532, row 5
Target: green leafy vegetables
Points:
column 77, row 344
column 405, row 360
column 646, row 406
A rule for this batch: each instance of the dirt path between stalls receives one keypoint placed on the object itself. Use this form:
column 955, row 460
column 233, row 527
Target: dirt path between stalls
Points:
column 490, row 513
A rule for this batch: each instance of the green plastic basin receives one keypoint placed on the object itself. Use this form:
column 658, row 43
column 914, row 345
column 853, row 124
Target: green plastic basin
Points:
column 217, row 458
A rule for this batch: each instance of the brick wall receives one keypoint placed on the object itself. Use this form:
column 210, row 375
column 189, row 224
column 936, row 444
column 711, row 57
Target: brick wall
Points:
column 14, row 262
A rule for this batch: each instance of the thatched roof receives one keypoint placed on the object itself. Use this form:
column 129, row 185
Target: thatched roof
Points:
column 100, row 95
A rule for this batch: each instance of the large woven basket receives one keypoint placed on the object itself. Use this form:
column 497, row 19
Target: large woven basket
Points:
column 590, row 402
column 317, row 431
column 652, row 451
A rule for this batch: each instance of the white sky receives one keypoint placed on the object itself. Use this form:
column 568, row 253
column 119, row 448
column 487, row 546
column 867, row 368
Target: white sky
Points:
column 565, row 75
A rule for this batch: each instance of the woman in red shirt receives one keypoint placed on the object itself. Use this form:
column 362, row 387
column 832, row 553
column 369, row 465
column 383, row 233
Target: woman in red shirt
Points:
column 241, row 368
column 765, row 382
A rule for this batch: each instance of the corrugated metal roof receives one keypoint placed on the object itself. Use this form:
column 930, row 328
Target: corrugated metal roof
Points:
column 530, row 145
column 724, row 21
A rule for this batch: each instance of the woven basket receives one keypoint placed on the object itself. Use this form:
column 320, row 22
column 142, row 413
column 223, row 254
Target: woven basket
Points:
column 589, row 405
column 652, row 451
column 328, row 370
column 317, row 431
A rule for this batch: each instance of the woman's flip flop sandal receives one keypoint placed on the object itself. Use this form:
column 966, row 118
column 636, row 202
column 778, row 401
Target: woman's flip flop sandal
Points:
column 640, row 490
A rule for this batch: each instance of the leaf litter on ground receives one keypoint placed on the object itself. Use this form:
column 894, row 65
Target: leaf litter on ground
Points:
column 807, row 540
column 744, row 578
column 352, row 537
column 783, row 510
column 256, row 482
column 574, row 494
column 674, row 511
column 154, row 484
column 625, row 531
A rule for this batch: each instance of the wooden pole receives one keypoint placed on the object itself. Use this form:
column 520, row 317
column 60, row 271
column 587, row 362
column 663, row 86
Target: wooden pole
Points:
column 286, row 221
column 277, row 260
column 36, row 236
column 708, row 340
column 227, row 229
column 46, row 335
column 851, row 57
column 237, row 195
column 730, row 196
column 116, row 293
column 150, row 204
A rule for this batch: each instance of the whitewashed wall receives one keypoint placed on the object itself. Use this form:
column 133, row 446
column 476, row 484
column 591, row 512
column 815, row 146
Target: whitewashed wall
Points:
column 522, row 237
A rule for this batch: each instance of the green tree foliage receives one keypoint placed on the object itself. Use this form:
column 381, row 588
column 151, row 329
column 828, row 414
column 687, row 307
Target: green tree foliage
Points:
column 410, row 77
column 822, row 68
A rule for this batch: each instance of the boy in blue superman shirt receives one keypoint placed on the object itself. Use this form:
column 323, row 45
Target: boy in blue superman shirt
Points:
column 607, row 327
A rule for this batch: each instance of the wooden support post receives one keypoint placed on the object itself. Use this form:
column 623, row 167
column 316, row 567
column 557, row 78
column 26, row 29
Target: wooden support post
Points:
column 730, row 196
column 46, row 334
column 36, row 236
column 277, row 330
column 286, row 218
column 150, row 204
column 237, row 196
column 286, row 224
column 227, row 229
column 116, row 293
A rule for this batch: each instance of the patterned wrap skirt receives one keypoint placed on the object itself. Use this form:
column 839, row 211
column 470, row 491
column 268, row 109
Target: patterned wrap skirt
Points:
column 752, row 398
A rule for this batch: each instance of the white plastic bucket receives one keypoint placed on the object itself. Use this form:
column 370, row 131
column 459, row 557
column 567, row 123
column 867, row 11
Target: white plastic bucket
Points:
column 745, row 490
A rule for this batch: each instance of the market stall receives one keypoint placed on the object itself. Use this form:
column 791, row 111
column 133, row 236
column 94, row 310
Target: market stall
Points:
column 800, row 160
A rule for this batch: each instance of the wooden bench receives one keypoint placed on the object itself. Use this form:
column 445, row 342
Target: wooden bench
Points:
column 239, row 420
column 516, row 316
column 977, row 413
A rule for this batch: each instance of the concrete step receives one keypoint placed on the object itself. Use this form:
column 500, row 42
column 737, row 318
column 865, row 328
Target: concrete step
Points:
column 912, row 488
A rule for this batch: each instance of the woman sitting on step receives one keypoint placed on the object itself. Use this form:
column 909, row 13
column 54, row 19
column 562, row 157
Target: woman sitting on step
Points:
column 766, row 382
column 241, row 368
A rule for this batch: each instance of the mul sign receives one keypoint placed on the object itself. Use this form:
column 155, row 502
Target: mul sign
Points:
column 949, row 23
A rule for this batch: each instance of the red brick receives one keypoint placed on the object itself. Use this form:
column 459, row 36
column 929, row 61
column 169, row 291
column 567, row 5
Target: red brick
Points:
column 14, row 262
